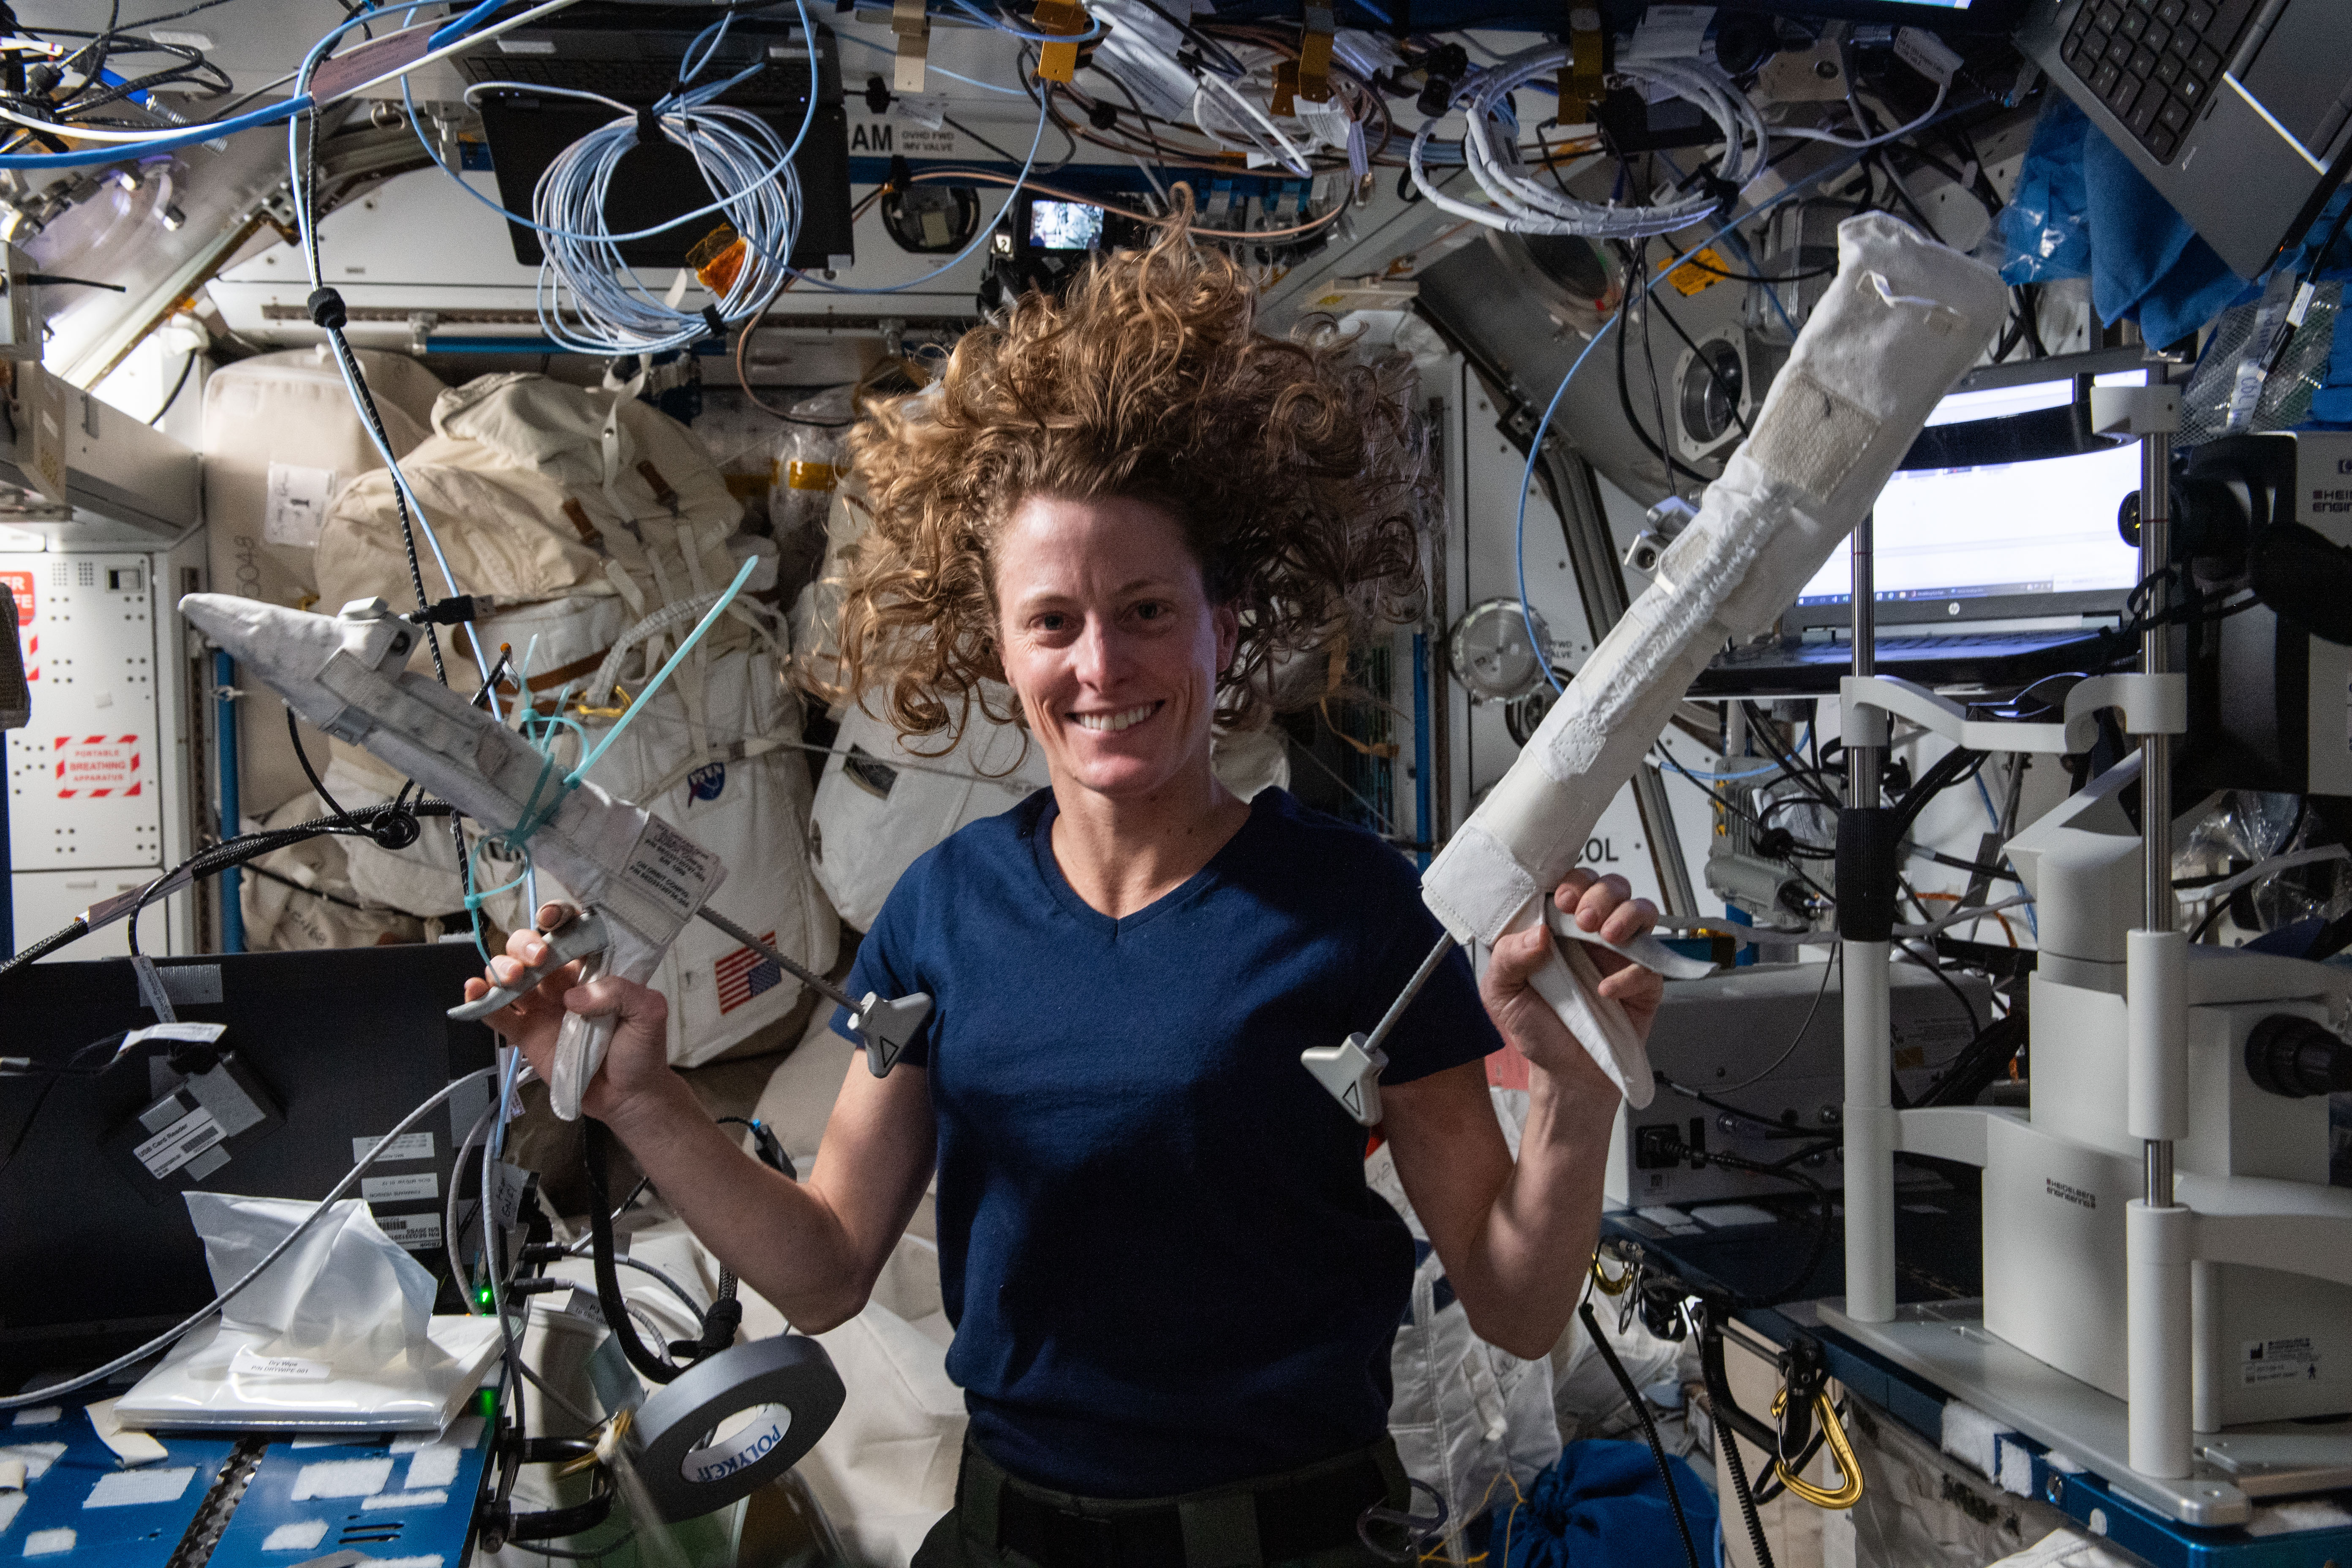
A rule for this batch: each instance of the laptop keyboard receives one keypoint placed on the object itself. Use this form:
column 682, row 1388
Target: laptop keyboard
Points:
column 2154, row 62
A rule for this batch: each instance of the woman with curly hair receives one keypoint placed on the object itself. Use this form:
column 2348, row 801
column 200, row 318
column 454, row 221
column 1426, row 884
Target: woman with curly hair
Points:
column 1173, row 1293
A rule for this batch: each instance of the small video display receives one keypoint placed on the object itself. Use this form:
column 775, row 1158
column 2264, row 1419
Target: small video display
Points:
column 1065, row 226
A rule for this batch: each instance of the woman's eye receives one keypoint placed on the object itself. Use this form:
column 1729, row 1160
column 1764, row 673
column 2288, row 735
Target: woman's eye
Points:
column 1150, row 610
column 1052, row 623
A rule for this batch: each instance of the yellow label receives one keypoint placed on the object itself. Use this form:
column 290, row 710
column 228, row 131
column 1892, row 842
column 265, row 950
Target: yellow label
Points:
column 1688, row 279
column 801, row 476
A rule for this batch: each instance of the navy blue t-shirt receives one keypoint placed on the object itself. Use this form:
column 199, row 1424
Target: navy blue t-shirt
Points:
column 1163, row 1267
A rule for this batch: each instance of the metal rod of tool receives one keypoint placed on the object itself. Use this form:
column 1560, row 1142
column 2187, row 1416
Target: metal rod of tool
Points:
column 817, row 983
column 1412, row 989
column 1867, row 955
column 2156, row 751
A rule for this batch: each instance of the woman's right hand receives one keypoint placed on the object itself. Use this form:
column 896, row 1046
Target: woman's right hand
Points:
column 637, row 1065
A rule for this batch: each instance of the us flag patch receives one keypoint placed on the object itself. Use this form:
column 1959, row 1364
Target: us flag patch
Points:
column 745, row 973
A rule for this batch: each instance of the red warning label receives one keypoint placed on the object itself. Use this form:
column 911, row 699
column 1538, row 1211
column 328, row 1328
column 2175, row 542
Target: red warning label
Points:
column 20, row 585
column 91, row 767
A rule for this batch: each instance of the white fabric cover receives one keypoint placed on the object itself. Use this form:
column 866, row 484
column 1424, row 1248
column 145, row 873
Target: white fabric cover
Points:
column 887, row 801
column 280, row 918
column 289, row 411
column 870, row 828
column 1904, row 318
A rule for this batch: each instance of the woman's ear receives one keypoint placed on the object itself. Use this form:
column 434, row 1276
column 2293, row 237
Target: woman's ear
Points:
column 1228, row 622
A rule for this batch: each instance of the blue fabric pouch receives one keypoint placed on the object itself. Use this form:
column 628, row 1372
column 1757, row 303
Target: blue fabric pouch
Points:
column 1603, row 1502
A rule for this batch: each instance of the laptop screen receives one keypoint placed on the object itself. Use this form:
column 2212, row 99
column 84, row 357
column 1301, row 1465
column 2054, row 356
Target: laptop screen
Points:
column 2001, row 531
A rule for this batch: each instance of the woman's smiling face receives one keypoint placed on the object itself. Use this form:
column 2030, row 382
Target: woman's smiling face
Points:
column 1108, row 633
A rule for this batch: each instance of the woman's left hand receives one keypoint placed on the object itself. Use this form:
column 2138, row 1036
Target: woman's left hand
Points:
column 1605, row 906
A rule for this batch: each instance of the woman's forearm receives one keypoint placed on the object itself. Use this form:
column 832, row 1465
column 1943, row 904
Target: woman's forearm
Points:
column 1522, row 1262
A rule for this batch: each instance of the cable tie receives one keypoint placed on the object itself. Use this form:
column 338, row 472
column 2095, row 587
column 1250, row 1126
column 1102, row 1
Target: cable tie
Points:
column 649, row 127
column 717, row 323
column 327, row 309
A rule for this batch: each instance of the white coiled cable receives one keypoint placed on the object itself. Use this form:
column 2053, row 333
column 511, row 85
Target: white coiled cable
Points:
column 612, row 311
column 1526, row 204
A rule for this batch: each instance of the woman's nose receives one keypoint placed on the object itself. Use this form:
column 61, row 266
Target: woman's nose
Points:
column 1099, row 656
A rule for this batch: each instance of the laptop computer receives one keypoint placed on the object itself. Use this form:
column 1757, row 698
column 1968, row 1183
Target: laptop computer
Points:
column 2238, row 111
column 1997, row 558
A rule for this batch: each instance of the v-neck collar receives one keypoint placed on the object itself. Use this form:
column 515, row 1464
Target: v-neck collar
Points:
column 1049, row 870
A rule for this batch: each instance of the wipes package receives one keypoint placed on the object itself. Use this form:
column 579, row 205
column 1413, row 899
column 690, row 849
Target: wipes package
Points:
column 339, row 1334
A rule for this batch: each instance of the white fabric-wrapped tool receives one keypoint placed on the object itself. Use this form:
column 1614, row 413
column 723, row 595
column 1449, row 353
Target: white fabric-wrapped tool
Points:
column 343, row 673
column 1903, row 319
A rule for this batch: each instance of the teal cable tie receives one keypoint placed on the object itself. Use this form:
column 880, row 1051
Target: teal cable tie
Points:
column 638, row 706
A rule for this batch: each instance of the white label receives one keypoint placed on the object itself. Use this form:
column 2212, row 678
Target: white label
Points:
column 507, row 1185
column 42, row 402
column 178, row 1143
column 2279, row 1360
column 246, row 1364
column 583, row 1306
column 670, row 869
column 425, row 1185
column 128, row 1488
column 297, row 504
column 417, row 1232
column 407, row 1146
column 435, row 1498
column 198, row 1034
column 1926, row 54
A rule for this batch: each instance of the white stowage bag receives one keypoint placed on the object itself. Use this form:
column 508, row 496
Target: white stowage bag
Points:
column 1903, row 319
column 1464, row 1413
column 744, row 797
column 338, row 1335
column 281, row 439
column 883, row 801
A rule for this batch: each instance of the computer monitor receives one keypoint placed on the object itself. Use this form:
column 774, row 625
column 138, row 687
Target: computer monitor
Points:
column 97, row 1254
column 1996, row 540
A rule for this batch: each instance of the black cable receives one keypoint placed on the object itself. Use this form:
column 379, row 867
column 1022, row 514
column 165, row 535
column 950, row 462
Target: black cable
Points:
column 1650, row 363
column 1625, row 396
column 1732, row 1462
column 187, row 366
column 1649, row 1428
column 1714, row 371
column 608, row 1276
column 266, row 875
column 294, row 733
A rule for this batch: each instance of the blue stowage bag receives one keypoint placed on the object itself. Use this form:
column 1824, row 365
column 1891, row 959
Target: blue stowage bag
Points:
column 1603, row 1502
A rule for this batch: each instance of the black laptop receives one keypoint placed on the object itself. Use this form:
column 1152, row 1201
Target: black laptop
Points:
column 1998, row 555
column 2238, row 111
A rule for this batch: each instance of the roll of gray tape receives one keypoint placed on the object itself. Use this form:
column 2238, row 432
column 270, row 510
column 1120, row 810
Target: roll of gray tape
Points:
column 694, row 1458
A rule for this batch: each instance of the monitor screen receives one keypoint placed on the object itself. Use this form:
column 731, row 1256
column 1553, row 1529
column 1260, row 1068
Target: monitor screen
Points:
column 1065, row 226
column 2001, row 530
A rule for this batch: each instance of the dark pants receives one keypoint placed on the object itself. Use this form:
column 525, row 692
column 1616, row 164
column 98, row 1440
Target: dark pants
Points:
column 1222, row 1528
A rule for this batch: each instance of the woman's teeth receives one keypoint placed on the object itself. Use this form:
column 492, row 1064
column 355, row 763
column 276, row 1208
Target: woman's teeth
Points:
column 1115, row 721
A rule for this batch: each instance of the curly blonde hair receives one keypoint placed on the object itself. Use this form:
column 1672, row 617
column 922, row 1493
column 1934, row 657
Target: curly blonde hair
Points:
column 1300, row 477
